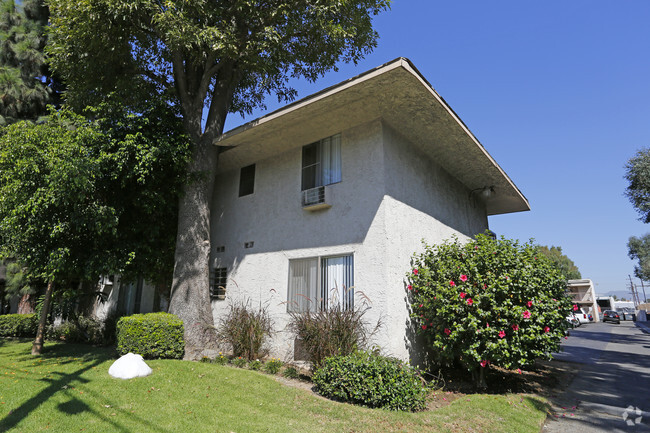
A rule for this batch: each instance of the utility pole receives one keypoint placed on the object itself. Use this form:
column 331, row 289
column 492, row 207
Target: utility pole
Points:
column 643, row 288
column 635, row 296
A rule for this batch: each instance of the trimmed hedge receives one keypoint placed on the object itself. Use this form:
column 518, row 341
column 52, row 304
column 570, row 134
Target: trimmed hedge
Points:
column 372, row 380
column 153, row 335
column 18, row 325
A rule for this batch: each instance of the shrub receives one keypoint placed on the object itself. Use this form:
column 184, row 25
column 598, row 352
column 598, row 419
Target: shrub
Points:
column 255, row 365
column 18, row 325
column 272, row 366
column 330, row 332
column 372, row 380
column 80, row 330
column 246, row 330
column 153, row 335
column 487, row 302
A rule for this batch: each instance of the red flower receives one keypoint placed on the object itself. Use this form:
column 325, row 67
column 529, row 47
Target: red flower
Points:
column 484, row 286
column 526, row 314
column 484, row 363
column 487, row 325
column 502, row 333
column 420, row 305
column 424, row 327
column 463, row 278
column 515, row 327
column 447, row 331
column 415, row 271
column 575, row 307
column 529, row 304
column 462, row 295
column 410, row 287
column 469, row 301
column 546, row 329
column 452, row 284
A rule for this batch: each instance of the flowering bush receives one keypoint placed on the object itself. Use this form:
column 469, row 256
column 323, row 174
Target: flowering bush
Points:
column 487, row 302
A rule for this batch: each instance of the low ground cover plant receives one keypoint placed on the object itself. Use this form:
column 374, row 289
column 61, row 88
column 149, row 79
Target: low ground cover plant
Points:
column 373, row 380
column 487, row 302
column 153, row 335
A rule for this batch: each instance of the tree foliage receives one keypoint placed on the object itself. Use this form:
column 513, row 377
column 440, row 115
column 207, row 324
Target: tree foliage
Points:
column 78, row 201
column 561, row 261
column 637, row 173
column 26, row 84
column 487, row 302
column 639, row 249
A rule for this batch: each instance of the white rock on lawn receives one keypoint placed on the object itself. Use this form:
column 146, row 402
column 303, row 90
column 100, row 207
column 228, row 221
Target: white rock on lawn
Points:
column 129, row 366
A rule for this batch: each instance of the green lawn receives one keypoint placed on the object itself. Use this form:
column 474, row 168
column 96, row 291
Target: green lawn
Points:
column 68, row 389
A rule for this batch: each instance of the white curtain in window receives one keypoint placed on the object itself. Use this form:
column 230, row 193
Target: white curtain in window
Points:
column 337, row 282
column 303, row 285
column 330, row 158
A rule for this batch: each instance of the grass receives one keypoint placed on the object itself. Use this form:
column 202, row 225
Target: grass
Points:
column 68, row 389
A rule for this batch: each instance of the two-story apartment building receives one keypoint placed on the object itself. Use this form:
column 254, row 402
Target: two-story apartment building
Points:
column 325, row 200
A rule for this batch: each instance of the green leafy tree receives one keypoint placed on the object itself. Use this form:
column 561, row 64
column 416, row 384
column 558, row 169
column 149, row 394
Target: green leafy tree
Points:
column 562, row 262
column 639, row 249
column 487, row 302
column 26, row 84
column 61, row 211
column 637, row 173
column 207, row 58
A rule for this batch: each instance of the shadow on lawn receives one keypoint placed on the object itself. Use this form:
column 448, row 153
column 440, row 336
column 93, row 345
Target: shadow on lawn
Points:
column 63, row 354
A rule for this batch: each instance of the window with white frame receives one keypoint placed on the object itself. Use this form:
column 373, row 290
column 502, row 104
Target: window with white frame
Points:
column 321, row 162
column 321, row 282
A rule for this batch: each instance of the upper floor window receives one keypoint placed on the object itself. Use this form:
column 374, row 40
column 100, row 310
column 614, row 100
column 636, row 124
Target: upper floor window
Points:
column 321, row 282
column 247, row 180
column 321, row 162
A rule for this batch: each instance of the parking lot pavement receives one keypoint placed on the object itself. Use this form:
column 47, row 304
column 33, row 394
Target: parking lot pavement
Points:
column 610, row 392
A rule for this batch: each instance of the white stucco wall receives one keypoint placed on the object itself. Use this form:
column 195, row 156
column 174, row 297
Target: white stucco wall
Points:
column 391, row 197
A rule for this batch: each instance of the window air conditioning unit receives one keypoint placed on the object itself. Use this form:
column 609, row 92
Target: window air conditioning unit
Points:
column 314, row 199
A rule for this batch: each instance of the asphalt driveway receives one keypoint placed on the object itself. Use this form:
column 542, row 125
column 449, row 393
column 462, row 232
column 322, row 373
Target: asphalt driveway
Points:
column 611, row 393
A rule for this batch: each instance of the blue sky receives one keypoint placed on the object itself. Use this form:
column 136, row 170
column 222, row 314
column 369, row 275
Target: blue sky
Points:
column 558, row 92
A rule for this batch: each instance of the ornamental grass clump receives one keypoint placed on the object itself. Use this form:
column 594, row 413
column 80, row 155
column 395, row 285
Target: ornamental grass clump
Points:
column 332, row 331
column 372, row 380
column 487, row 302
column 246, row 329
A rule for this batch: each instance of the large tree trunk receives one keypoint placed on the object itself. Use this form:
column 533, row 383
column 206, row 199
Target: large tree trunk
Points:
column 190, row 296
column 37, row 347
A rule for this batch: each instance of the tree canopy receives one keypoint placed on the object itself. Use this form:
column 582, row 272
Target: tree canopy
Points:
column 561, row 261
column 207, row 58
column 26, row 85
column 639, row 249
column 78, row 201
column 637, row 173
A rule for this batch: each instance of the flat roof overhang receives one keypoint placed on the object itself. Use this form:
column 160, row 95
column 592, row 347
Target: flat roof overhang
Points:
column 399, row 95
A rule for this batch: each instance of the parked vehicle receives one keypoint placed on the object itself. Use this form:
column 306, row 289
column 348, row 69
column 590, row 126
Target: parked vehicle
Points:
column 581, row 316
column 626, row 313
column 573, row 320
column 611, row 316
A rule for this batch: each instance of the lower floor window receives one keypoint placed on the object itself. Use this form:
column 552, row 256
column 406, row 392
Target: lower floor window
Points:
column 321, row 282
column 218, row 283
